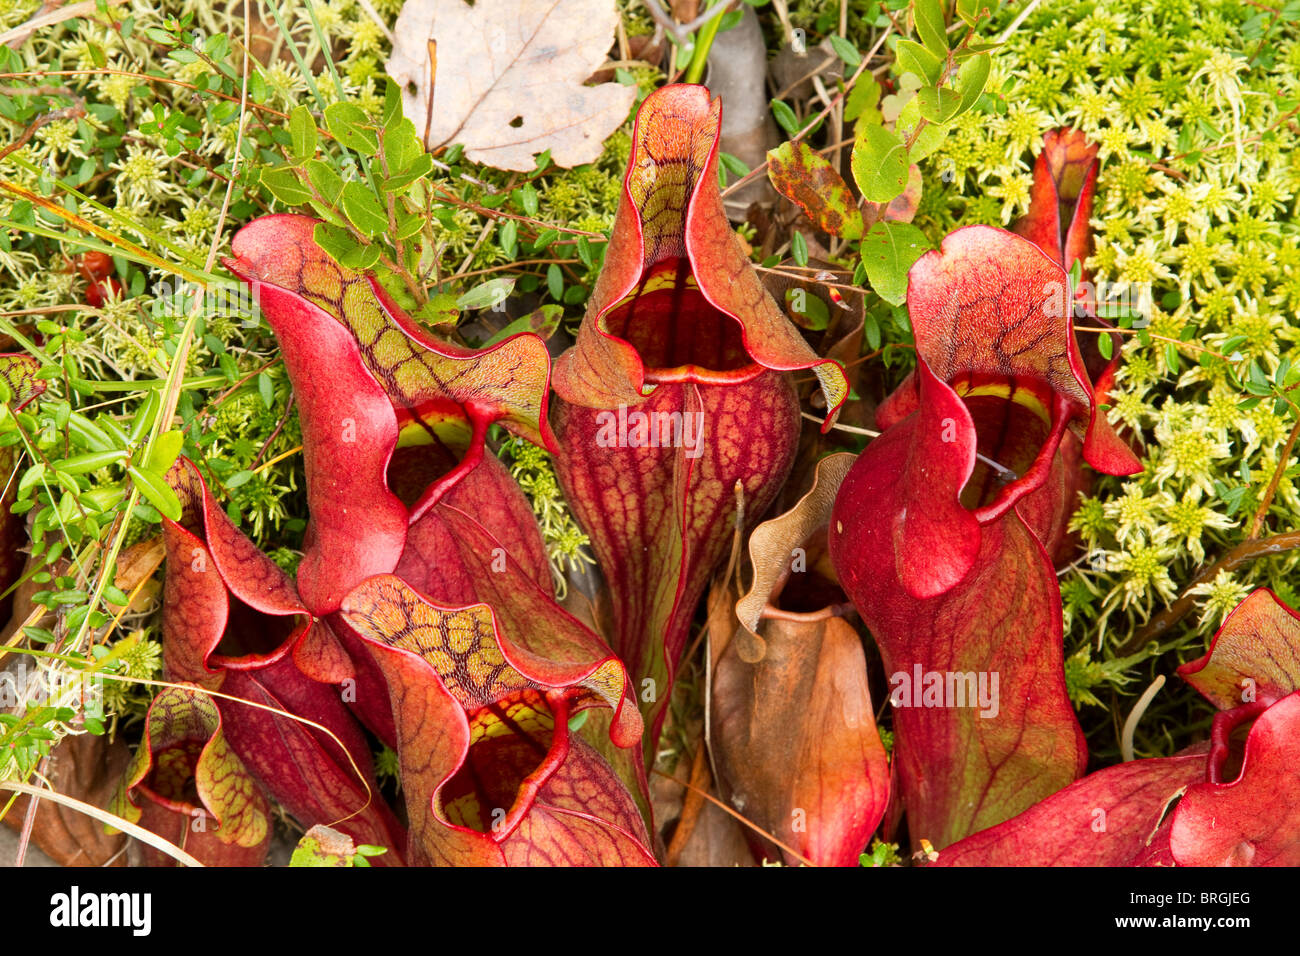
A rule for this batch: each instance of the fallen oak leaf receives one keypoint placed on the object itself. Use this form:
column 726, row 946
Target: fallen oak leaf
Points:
column 508, row 80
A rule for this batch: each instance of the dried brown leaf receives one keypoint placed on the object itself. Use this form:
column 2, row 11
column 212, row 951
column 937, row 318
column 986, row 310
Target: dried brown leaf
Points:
column 87, row 768
column 772, row 544
column 509, row 78
column 795, row 740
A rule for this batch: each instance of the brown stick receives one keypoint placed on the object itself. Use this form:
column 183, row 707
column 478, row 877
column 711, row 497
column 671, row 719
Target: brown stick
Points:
column 1262, row 511
column 68, row 112
column 1246, row 551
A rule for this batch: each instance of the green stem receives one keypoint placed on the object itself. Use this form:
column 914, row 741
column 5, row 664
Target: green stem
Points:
column 703, row 42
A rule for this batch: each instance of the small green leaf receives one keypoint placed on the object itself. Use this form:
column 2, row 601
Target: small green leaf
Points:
column 526, row 196
column 487, row 294
column 969, row 10
column 785, row 116
column 799, row 249
column 144, row 418
column 302, row 134
column 846, row 51
column 508, row 235
column 88, row 433
column 937, row 104
column 408, row 225
column 862, row 100
column 351, row 127
column 733, row 165
column 391, row 115
column 1105, row 346
column 266, row 389
column 325, row 181
column 1171, row 358
column 930, row 137
column 809, row 311
column 888, row 251
column 91, row 461
column 166, row 450
column 30, row 477
column 363, row 210
column 284, row 184
column 555, row 282
column 543, row 321
column 335, row 240
column 928, row 15
column 419, row 167
column 156, row 491
column 879, row 163
column 916, row 59
column 971, row 78
column 237, row 479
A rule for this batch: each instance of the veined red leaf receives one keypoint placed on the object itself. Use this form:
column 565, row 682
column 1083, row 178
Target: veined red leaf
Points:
column 319, row 776
column 1108, row 818
column 1255, row 656
column 1060, row 201
column 671, row 233
column 233, row 621
column 672, row 394
column 491, row 786
column 1255, row 819
column 187, row 785
column 942, row 531
column 226, row 605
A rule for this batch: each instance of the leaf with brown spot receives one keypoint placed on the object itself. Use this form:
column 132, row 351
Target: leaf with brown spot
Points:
column 902, row 208
column 812, row 184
